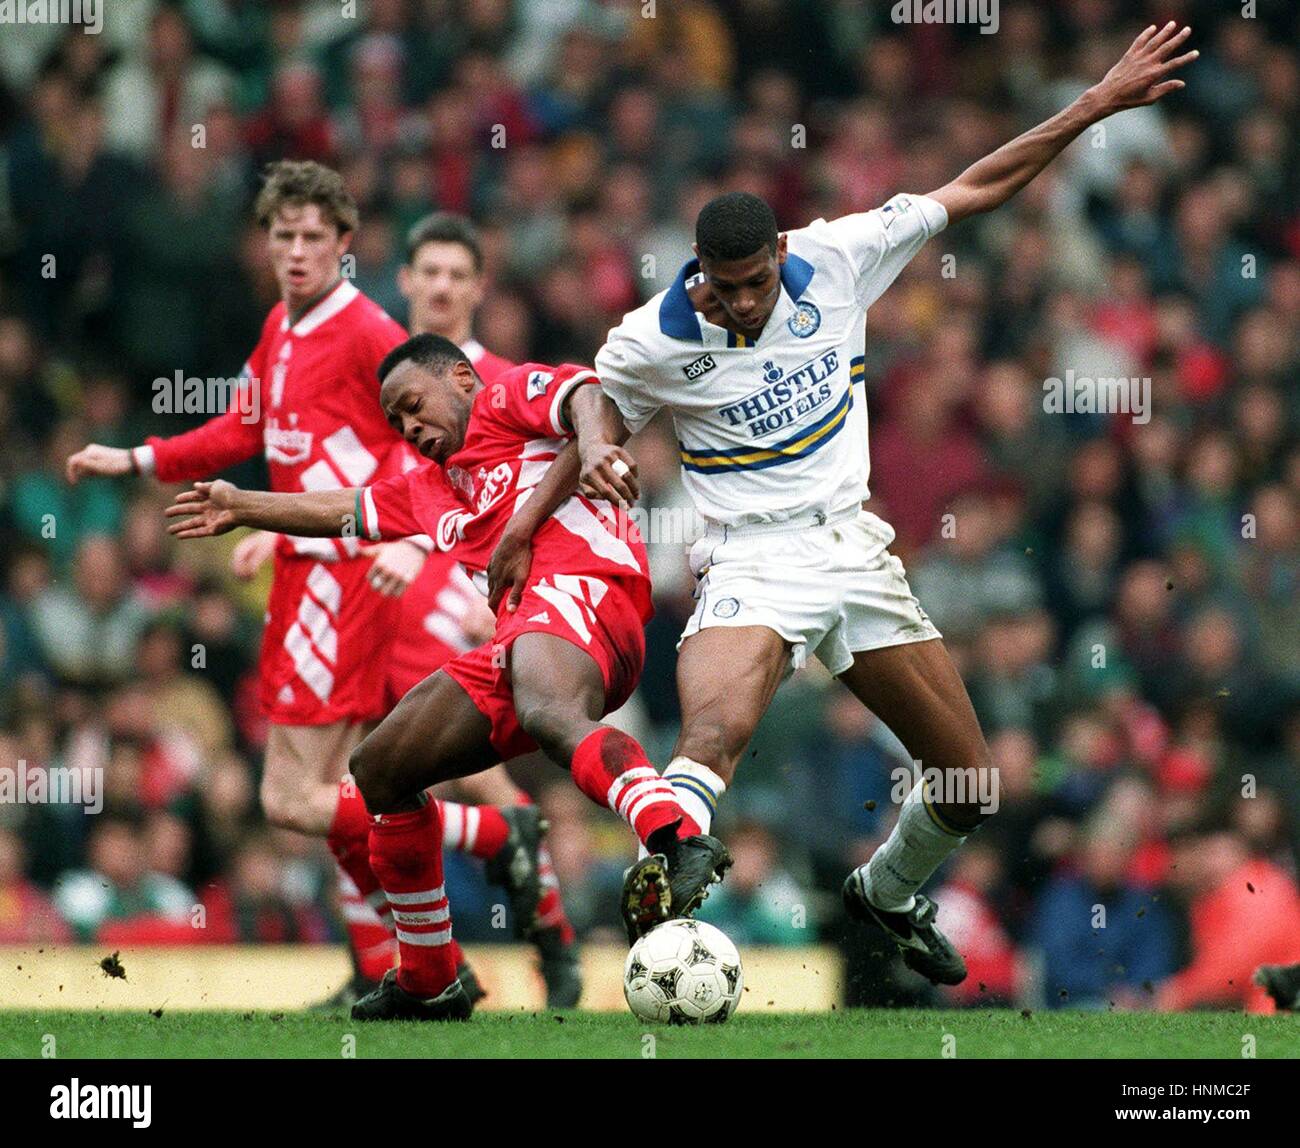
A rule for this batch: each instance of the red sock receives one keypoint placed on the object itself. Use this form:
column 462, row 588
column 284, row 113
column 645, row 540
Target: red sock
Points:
column 406, row 855
column 612, row 769
column 366, row 915
column 478, row 830
column 550, row 909
column 374, row 951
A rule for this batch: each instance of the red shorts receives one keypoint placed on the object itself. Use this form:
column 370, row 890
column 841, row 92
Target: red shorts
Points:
column 327, row 639
column 603, row 617
column 430, row 634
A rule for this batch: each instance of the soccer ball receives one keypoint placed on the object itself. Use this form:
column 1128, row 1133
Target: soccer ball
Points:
column 683, row 972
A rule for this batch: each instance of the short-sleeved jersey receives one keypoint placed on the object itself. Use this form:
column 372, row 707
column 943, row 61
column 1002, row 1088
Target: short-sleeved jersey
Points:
column 515, row 433
column 318, row 418
column 776, row 428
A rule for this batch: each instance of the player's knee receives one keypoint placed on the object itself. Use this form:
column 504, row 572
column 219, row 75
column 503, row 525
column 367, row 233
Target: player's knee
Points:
column 282, row 804
column 367, row 765
column 553, row 724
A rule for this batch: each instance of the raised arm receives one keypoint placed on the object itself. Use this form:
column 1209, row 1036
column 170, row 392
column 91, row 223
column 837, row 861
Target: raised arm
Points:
column 607, row 470
column 217, row 507
column 1142, row 75
column 225, row 439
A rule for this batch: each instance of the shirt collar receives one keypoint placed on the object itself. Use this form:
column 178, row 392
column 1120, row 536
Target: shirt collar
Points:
column 323, row 310
column 677, row 315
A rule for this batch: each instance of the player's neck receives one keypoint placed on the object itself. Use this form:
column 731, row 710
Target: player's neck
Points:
column 297, row 309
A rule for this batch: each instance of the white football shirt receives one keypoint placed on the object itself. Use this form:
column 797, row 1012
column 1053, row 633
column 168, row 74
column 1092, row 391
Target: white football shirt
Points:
column 776, row 428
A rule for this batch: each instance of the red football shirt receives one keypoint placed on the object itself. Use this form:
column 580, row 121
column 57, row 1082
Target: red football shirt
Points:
column 317, row 415
column 513, row 436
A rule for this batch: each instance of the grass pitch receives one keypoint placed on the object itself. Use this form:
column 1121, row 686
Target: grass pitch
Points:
column 909, row 1034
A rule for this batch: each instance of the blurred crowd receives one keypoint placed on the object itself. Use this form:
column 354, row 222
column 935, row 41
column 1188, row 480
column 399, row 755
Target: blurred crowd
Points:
column 1122, row 595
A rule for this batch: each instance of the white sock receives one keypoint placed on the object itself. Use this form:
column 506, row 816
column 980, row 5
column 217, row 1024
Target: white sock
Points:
column 917, row 847
column 459, row 826
column 697, row 788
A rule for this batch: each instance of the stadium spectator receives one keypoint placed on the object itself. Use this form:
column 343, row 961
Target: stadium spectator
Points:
column 26, row 913
column 969, row 915
column 88, row 632
column 1244, row 912
column 760, row 903
column 252, row 905
column 117, row 896
column 1102, row 938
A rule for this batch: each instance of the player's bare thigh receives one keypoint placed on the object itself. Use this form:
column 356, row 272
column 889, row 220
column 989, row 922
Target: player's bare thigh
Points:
column 916, row 690
column 726, row 676
column 559, row 693
column 434, row 734
column 304, row 764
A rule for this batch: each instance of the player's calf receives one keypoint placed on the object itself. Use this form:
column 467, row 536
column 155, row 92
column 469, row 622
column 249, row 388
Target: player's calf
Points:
column 715, row 742
column 612, row 768
column 406, row 856
column 673, row 880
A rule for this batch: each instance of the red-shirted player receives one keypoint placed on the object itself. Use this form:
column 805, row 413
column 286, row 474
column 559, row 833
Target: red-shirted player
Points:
column 443, row 283
column 568, row 645
column 444, row 615
column 310, row 404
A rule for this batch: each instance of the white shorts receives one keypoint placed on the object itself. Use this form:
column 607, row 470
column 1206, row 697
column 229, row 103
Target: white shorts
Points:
column 830, row 590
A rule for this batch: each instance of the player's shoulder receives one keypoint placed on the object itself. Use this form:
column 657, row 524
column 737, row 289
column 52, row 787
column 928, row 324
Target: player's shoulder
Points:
column 819, row 244
column 903, row 213
column 642, row 323
column 363, row 312
column 512, row 387
column 662, row 326
column 529, row 381
column 367, row 333
column 520, row 403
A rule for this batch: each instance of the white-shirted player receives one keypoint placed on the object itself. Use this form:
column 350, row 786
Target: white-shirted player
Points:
column 757, row 350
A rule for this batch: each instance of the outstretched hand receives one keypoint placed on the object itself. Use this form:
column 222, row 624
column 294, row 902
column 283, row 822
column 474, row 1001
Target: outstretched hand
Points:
column 105, row 461
column 1144, row 73
column 205, row 511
